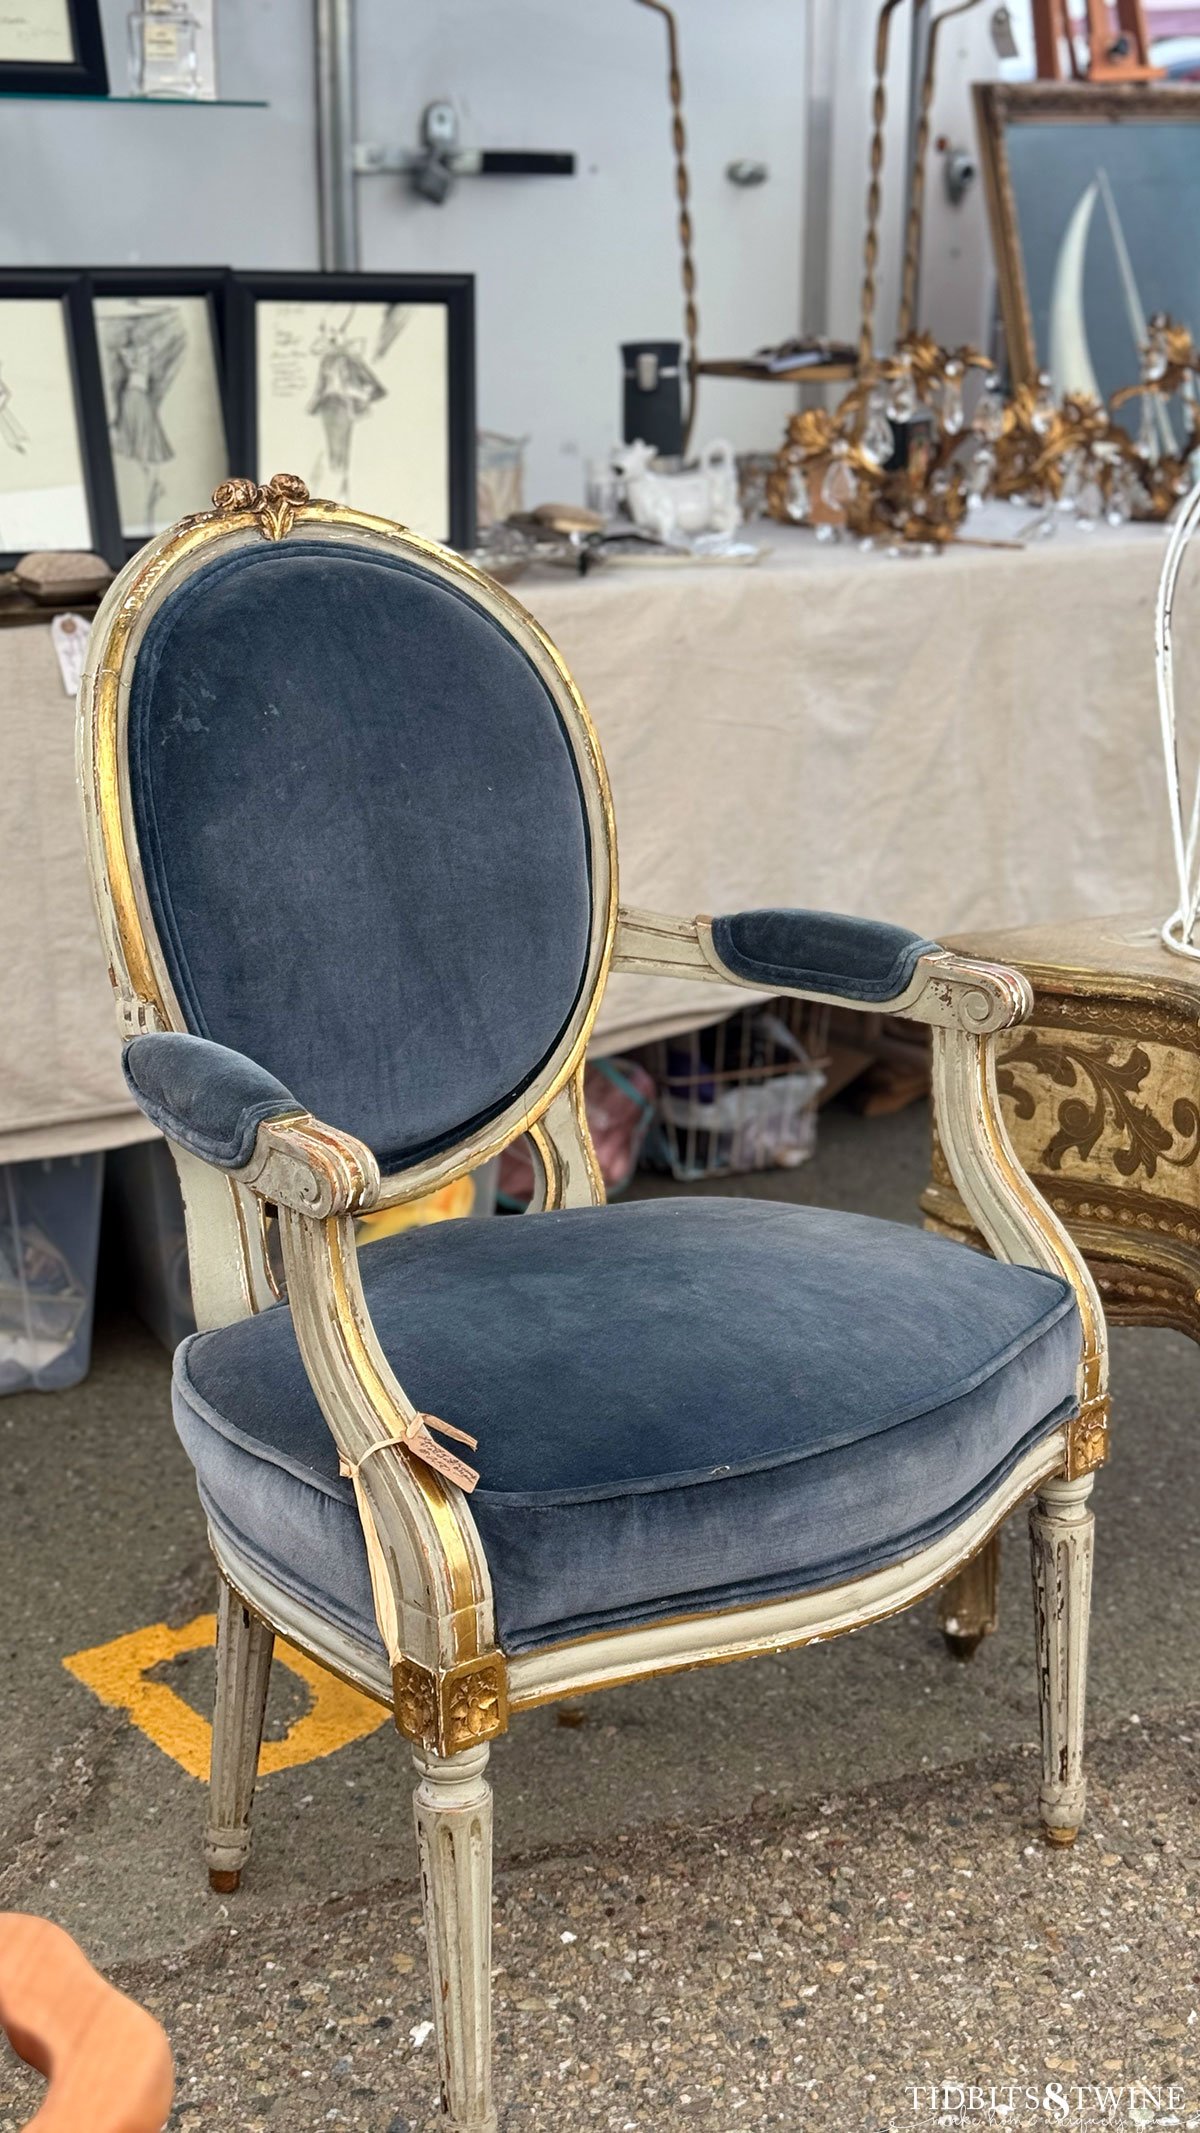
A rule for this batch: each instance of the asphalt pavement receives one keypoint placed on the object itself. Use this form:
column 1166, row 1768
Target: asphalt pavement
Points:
column 805, row 1892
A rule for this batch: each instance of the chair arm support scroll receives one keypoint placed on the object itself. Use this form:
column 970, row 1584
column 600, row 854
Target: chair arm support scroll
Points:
column 315, row 1170
column 429, row 1576
column 232, row 1113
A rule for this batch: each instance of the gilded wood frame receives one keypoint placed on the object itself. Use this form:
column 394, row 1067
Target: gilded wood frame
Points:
column 1101, row 1092
column 999, row 105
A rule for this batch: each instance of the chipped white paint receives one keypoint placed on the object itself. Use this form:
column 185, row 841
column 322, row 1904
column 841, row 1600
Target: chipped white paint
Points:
column 244, row 1647
column 453, row 1808
column 1060, row 1528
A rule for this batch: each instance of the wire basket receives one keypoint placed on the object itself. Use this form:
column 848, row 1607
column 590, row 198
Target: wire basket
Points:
column 740, row 1095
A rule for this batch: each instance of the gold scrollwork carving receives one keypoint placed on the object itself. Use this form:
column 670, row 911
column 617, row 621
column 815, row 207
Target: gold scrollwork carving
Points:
column 274, row 502
column 1082, row 1118
column 474, row 1705
column 239, row 493
column 1152, row 1021
column 414, row 1701
column 1168, row 1222
column 448, row 1712
column 1087, row 1438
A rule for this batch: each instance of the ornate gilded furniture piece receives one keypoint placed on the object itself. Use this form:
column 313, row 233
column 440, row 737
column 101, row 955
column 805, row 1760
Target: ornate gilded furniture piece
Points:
column 1100, row 1092
column 354, row 861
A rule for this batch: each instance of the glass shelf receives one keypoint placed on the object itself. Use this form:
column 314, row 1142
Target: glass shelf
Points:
column 204, row 103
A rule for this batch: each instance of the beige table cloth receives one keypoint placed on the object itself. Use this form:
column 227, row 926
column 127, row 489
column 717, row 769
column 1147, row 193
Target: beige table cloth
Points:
column 954, row 743
column 61, row 1091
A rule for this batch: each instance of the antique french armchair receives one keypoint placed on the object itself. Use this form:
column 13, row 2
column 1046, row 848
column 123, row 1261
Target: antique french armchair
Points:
column 354, row 860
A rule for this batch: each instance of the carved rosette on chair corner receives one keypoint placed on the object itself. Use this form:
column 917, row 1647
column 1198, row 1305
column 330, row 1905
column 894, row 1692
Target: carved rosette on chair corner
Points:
column 354, row 861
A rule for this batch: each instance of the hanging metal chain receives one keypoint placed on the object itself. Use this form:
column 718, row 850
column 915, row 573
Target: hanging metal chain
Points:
column 866, row 331
column 691, row 320
column 916, row 194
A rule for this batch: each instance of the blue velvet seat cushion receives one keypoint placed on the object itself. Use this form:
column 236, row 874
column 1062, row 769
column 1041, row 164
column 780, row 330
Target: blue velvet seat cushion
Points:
column 860, row 959
column 680, row 1404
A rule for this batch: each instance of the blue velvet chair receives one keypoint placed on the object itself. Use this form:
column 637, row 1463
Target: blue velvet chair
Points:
column 354, row 860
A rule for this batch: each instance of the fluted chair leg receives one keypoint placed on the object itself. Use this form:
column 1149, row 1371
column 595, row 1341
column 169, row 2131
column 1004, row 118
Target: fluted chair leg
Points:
column 244, row 1647
column 453, row 1805
column 1061, row 1527
column 968, row 1611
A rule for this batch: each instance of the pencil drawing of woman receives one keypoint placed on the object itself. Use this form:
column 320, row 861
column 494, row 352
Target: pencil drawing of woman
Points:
column 13, row 432
column 143, row 349
column 345, row 388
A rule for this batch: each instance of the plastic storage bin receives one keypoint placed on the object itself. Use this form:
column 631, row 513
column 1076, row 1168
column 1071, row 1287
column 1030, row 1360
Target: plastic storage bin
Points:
column 49, row 1242
column 147, row 1209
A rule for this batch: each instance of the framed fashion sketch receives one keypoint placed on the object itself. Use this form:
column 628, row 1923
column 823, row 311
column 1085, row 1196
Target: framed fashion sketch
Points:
column 52, row 48
column 56, row 487
column 160, row 333
column 1092, row 193
column 363, row 384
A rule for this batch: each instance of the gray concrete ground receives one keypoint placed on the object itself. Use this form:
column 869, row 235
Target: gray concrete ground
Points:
column 788, row 1894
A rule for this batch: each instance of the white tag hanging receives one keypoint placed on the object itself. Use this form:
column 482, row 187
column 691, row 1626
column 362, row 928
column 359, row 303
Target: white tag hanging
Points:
column 1004, row 37
column 69, row 635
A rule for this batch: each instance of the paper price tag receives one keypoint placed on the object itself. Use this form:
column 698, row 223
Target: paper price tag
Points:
column 69, row 635
column 1003, row 35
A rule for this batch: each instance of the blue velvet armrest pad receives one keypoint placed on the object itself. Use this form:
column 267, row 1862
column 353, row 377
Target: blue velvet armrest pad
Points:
column 202, row 1095
column 820, row 951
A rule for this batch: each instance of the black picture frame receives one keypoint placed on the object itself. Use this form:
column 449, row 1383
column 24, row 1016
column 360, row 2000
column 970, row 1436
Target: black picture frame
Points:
column 455, row 293
column 86, row 74
column 71, row 290
column 211, row 283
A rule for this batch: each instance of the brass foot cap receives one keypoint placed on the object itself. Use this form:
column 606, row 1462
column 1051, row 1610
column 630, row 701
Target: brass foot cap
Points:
column 963, row 1647
column 1060, row 1838
column 224, row 1880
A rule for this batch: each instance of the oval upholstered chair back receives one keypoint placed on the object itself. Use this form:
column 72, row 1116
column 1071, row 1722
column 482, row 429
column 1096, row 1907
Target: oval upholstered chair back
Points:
column 354, row 821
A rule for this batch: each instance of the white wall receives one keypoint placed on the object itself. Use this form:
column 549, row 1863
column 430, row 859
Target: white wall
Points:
column 958, row 275
column 566, row 268
column 854, row 73
column 97, row 184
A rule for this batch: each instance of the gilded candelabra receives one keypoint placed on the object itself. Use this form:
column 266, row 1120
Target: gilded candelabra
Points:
column 1068, row 453
column 1170, row 366
column 849, row 468
column 1072, row 453
column 902, row 459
